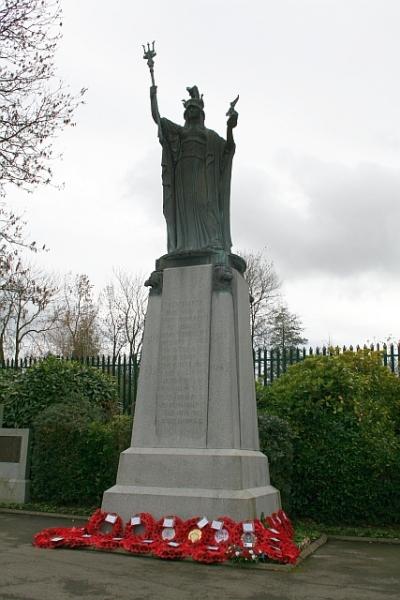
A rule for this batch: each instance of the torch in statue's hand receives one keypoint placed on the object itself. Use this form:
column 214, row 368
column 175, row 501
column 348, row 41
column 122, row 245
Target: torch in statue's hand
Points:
column 149, row 55
column 232, row 114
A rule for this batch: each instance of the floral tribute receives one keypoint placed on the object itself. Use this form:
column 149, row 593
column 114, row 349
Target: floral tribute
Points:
column 173, row 538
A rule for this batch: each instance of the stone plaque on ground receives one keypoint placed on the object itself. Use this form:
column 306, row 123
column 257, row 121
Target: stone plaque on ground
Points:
column 14, row 465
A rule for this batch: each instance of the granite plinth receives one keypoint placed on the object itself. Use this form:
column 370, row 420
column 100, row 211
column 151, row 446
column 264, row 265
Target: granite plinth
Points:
column 195, row 447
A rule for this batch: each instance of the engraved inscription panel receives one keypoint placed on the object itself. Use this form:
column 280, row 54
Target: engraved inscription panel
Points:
column 182, row 393
column 10, row 448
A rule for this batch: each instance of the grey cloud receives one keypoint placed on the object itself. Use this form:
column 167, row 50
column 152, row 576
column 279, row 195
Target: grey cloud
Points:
column 143, row 185
column 347, row 224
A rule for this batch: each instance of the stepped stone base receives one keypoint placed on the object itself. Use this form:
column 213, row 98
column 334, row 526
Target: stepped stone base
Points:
column 195, row 448
column 189, row 482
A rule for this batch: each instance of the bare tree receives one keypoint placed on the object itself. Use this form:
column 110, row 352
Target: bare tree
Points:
column 12, row 272
column 76, row 333
column 112, row 322
column 123, row 309
column 34, row 106
column 264, row 288
column 24, row 307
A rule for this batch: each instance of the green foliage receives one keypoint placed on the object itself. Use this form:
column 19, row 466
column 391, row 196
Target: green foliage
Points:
column 74, row 458
column 26, row 393
column 276, row 442
column 345, row 413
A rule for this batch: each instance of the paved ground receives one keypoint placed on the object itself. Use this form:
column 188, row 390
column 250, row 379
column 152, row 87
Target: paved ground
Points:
column 337, row 571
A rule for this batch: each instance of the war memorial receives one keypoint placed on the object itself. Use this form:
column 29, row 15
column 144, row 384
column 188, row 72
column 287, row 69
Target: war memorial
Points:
column 195, row 447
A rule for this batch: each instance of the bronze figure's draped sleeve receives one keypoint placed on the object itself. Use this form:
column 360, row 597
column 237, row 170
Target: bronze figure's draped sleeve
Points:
column 196, row 175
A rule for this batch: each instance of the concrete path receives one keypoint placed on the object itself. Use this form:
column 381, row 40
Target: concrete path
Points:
column 337, row 571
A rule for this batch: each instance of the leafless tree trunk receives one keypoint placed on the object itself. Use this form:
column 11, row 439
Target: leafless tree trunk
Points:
column 123, row 309
column 264, row 288
column 76, row 333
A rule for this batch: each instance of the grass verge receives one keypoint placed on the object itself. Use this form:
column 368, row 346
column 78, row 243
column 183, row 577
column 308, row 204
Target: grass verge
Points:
column 371, row 531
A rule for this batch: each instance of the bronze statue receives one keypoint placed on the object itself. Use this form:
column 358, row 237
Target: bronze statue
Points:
column 196, row 174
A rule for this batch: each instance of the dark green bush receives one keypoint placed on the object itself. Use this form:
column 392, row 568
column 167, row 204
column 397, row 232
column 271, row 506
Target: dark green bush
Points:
column 276, row 442
column 74, row 458
column 345, row 414
column 26, row 393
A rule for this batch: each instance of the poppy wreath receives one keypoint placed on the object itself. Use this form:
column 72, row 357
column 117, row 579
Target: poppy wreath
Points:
column 214, row 550
column 100, row 539
column 212, row 534
column 169, row 551
column 134, row 542
column 178, row 527
column 286, row 523
column 272, row 545
column 173, row 547
column 209, row 554
column 191, row 526
column 98, row 519
column 53, row 537
column 281, row 522
column 279, row 546
column 147, row 521
column 77, row 537
column 258, row 536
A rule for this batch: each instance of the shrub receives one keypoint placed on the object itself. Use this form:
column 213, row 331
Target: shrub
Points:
column 344, row 411
column 276, row 442
column 26, row 393
column 74, row 458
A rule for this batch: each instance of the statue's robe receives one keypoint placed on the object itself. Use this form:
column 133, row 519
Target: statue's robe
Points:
column 196, row 175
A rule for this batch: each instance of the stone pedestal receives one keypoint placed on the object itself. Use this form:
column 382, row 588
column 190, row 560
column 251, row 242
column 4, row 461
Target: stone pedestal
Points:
column 195, row 446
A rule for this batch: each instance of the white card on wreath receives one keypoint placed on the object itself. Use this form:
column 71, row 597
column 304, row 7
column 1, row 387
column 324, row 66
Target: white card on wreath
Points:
column 111, row 519
column 202, row 523
column 57, row 539
column 173, row 544
column 135, row 521
column 168, row 522
column 248, row 527
column 216, row 525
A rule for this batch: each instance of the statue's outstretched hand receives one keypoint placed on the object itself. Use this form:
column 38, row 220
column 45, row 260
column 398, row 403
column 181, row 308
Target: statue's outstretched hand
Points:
column 232, row 118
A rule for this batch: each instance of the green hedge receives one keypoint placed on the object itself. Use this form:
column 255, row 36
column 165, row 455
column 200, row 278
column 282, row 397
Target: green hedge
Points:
column 276, row 441
column 344, row 412
column 74, row 458
column 27, row 392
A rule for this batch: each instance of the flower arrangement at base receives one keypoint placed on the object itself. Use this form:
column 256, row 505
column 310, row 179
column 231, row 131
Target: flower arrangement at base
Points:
column 171, row 538
column 139, row 534
column 209, row 554
column 105, row 540
column 53, row 537
column 278, row 538
column 169, row 550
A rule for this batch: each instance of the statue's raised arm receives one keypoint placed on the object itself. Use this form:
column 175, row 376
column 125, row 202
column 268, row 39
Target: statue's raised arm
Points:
column 232, row 122
column 148, row 54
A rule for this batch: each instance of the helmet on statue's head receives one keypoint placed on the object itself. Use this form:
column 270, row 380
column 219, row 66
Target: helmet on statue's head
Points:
column 195, row 100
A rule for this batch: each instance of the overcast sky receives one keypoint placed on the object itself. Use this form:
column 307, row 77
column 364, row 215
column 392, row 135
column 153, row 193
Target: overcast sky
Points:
column 316, row 179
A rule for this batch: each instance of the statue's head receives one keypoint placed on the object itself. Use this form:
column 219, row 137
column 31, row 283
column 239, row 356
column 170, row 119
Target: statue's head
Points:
column 194, row 106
